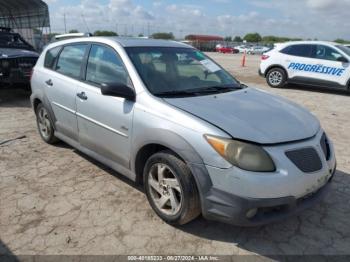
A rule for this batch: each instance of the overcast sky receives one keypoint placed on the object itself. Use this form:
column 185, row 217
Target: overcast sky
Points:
column 322, row 19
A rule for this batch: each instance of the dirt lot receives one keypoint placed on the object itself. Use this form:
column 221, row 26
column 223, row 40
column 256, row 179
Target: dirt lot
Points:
column 54, row 200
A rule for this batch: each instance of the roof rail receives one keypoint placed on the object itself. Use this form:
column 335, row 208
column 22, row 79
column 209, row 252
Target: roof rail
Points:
column 72, row 35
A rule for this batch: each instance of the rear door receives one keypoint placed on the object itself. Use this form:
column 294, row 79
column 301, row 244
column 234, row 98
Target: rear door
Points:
column 105, row 122
column 61, row 86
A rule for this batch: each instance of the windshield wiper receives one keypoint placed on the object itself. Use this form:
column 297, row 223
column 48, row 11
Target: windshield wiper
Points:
column 175, row 93
column 199, row 91
column 216, row 89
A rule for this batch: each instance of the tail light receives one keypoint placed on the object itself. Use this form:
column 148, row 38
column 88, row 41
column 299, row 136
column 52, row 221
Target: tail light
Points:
column 264, row 57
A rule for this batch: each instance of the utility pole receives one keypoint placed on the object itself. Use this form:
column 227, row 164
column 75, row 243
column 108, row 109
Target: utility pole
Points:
column 65, row 23
column 148, row 30
column 83, row 17
column 117, row 28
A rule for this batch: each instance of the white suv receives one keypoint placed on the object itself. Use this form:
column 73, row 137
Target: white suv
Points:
column 309, row 63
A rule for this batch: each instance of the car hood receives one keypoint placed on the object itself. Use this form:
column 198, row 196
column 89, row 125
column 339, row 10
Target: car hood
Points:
column 14, row 52
column 252, row 115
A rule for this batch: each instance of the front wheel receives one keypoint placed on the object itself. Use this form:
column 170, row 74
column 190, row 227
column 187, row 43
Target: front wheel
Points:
column 276, row 77
column 171, row 189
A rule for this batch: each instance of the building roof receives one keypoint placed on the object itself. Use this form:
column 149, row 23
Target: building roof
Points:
column 18, row 14
column 204, row 38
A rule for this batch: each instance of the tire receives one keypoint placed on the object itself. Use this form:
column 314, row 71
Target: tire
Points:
column 276, row 77
column 45, row 126
column 168, row 181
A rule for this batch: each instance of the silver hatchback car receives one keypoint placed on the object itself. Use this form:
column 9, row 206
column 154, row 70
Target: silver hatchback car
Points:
column 164, row 114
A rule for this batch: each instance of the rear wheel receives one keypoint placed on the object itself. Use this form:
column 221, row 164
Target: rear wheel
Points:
column 276, row 77
column 171, row 189
column 45, row 125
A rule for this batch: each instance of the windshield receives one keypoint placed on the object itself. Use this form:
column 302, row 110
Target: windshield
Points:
column 168, row 71
column 13, row 41
column 345, row 49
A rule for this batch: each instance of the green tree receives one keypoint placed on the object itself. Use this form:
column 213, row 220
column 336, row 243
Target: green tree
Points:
column 237, row 39
column 270, row 39
column 105, row 33
column 228, row 38
column 73, row 31
column 140, row 35
column 253, row 37
column 162, row 35
column 341, row 41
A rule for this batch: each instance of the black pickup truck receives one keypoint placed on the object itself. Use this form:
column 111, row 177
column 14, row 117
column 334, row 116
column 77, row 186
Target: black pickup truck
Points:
column 17, row 58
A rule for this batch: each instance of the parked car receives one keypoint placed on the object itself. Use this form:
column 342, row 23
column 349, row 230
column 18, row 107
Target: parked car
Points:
column 17, row 58
column 227, row 50
column 198, row 140
column 243, row 48
column 258, row 50
column 314, row 63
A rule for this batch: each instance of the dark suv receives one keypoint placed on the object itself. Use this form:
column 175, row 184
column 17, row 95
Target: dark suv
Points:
column 17, row 58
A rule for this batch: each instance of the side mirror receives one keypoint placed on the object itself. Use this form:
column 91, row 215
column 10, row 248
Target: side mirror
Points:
column 118, row 90
column 342, row 59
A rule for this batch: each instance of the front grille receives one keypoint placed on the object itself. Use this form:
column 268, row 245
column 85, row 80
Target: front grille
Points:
column 325, row 146
column 21, row 62
column 306, row 159
column 26, row 62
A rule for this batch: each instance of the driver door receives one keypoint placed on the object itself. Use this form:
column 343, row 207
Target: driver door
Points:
column 337, row 71
column 104, row 122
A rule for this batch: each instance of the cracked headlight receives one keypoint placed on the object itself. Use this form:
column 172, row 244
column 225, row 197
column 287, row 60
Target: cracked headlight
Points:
column 246, row 156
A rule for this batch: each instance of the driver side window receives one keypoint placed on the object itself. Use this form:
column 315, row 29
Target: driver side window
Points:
column 326, row 53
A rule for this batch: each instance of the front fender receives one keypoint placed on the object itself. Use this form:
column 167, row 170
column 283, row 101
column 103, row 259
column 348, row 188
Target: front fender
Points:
column 167, row 139
column 180, row 146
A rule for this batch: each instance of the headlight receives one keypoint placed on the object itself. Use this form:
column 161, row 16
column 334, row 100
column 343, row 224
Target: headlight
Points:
column 5, row 63
column 243, row 155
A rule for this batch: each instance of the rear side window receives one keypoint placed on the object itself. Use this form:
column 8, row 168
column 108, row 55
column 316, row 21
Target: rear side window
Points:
column 70, row 60
column 51, row 57
column 105, row 66
column 298, row 50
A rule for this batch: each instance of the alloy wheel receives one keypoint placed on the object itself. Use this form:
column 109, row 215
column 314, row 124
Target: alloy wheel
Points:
column 275, row 78
column 165, row 189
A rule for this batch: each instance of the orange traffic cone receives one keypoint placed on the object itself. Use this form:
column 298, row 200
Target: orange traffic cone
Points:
column 243, row 59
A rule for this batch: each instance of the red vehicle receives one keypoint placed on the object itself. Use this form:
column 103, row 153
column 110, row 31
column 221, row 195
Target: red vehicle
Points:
column 226, row 50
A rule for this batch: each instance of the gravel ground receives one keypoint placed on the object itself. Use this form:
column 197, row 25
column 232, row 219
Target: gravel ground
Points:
column 55, row 200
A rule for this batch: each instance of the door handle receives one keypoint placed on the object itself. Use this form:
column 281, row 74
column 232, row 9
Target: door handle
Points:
column 49, row 82
column 82, row 96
